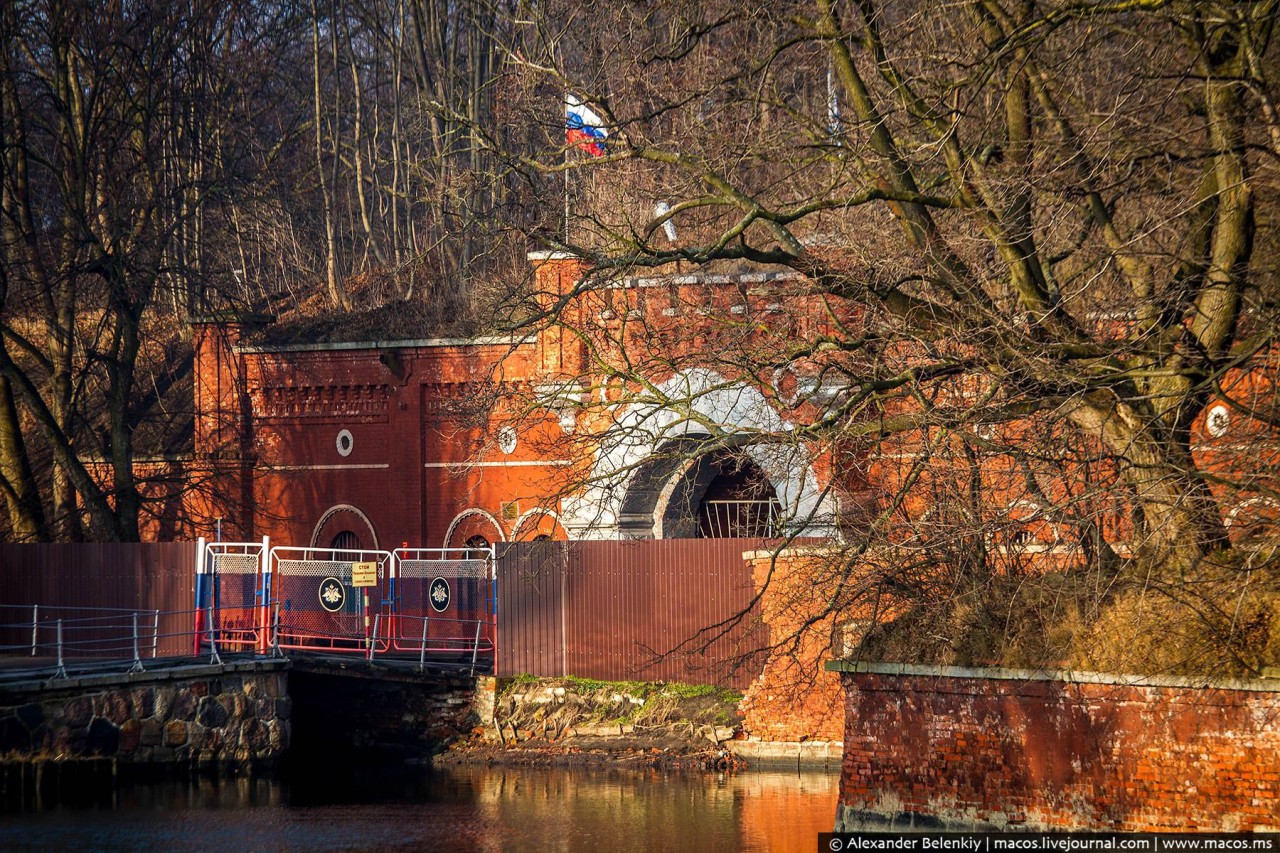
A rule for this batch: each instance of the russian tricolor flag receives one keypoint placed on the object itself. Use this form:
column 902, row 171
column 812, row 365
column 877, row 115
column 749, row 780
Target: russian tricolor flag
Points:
column 583, row 127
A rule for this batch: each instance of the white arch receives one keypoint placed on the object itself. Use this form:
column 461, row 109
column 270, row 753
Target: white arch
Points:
column 334, row 510
column 528, row 514
column 468, row 513
column 697, row 402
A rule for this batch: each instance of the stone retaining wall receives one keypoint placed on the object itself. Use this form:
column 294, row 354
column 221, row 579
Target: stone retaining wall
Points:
column 346, row 711
column 218, row 717
column 946, row 748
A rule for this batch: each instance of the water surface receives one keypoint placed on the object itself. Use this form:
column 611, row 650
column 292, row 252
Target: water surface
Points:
column 458, row 809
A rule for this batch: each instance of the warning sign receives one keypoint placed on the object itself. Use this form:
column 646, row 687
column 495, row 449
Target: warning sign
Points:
column 364, row 574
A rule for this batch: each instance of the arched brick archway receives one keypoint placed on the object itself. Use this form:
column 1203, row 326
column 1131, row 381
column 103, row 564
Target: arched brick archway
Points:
column 471, row 523
column 649, row 464
column 538, row 524
column 344, row 518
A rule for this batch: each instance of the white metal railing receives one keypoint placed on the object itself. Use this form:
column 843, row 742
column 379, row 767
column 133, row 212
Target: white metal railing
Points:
column 251, row 597
column 740, row 519
column 90, row 638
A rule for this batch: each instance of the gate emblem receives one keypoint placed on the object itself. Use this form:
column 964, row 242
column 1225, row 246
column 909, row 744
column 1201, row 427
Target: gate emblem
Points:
column 440, row 595
column 332, row 594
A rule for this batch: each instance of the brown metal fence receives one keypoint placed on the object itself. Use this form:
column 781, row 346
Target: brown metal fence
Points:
column 75, row 581
column 642, row 610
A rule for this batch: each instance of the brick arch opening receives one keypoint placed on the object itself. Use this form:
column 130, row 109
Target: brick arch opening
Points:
column 538, row 524
column 648, row 464
column 471, row 523
column 345, row 522
column 690, row 489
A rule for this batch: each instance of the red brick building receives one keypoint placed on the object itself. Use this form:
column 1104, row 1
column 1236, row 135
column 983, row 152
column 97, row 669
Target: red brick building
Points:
column 441, row 442
column 437, row 442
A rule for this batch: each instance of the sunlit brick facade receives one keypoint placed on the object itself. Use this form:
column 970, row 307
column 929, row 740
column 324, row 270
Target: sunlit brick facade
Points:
column 440, row 442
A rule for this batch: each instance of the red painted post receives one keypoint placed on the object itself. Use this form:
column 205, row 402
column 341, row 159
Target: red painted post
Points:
column 264, row 604
column 200, row 585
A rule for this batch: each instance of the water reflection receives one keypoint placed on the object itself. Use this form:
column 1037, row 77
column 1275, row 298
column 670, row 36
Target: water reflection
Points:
column 463, row 809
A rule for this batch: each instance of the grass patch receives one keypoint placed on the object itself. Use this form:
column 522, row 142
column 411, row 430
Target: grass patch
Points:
column 529, row 701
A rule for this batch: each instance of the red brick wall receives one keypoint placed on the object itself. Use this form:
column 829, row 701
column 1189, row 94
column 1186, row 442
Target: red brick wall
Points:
column 982, row 748
column 794, row 698
column 422, row 452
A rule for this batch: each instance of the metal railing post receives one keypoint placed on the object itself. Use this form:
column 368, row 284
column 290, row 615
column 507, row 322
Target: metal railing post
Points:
column 373, row 644
column 262, row 612
column 35, row 628
column 61, row 671
column 475, row 648
column 155, row 633
column 213, row 640
column 137, row 659
column 275, row 633
column 201, row 581
column 422, row 649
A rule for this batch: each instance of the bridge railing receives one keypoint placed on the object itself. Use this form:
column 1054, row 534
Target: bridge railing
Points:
column 233, row 579
column 461, row 640
column 255, row 598
column 446, row 592
column 325, row 598
column 93, row 639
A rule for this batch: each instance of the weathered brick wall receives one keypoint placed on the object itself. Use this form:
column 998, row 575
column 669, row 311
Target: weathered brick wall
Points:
column 794, row 698
column 215, row 717
column 935, row 747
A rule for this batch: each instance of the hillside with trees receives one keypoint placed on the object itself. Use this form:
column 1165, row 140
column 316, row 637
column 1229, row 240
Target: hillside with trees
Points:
column 1053, row 222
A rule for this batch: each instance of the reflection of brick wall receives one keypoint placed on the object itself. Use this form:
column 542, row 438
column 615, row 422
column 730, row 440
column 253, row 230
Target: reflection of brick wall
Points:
column 794, row 699
column 996, row 748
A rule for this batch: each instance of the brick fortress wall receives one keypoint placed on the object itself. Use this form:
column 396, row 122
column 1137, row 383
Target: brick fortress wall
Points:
column 934, row 748
column 793, row 700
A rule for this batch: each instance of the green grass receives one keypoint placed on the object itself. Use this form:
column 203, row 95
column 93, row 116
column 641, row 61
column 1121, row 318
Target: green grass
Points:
column 662, row 701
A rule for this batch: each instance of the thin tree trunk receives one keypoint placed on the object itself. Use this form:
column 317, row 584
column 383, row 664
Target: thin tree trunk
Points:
column 336, row 296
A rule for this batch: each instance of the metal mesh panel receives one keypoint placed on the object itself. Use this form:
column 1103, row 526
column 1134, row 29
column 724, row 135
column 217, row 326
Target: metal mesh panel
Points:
column 478, row 569
column 302, row 619
column 304, row 622
column 235, row 564
column 235, row 606
column 317, row 568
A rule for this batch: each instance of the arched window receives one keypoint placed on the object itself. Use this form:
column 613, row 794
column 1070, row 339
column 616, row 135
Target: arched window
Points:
column 345, row 541
column 348, row 541
column 478, row 547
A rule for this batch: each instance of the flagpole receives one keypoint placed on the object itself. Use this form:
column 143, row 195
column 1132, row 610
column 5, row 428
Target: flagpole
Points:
column 565, row 136
column 566, row 194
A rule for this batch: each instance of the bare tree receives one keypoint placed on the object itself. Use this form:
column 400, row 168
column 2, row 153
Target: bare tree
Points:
column 119, row 129
column 1041, row 236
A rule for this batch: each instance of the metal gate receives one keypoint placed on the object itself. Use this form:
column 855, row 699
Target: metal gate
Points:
column 230, row 595
column 316, row 603
column 443, row 601
column 412, row 602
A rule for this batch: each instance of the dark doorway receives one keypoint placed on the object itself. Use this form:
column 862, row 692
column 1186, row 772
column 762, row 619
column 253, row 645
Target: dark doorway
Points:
column 739, row 502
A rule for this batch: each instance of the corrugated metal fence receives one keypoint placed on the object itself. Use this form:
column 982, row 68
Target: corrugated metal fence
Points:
column 62, row 578
column 646, row 610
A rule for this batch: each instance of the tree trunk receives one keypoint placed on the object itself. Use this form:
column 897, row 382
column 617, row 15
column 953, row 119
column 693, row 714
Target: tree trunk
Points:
column 22, row 497
column 1180, row 521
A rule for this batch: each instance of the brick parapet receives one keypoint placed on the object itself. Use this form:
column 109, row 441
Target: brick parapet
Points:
column 948, row 748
